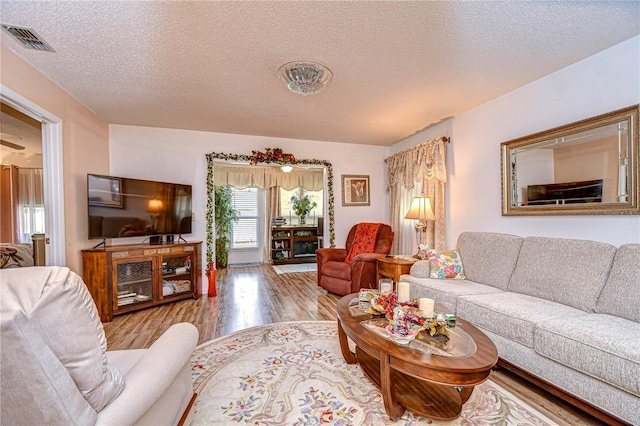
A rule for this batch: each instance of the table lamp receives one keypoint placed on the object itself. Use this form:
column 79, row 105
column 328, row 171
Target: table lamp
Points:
column 154, row 208
column 421, row 211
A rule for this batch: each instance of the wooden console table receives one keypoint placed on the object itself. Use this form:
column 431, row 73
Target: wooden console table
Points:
column 127, row 278
column 393, row 267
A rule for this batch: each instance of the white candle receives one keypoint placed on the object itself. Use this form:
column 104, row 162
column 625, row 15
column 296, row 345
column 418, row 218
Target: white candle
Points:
column 386, row 286
column 425, row 307
column 403, row 291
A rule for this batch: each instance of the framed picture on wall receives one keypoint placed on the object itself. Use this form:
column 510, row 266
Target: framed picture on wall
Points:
column 105, row 191
column 355, row 190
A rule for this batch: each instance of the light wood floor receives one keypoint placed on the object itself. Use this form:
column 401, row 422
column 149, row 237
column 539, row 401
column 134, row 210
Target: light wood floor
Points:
column 253, row 296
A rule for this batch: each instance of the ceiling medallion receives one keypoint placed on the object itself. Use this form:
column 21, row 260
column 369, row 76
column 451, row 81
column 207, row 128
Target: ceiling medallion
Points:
column 305, row 77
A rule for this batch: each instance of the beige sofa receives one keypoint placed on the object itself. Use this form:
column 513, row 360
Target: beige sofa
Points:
column 565, row 312
column 55, row 367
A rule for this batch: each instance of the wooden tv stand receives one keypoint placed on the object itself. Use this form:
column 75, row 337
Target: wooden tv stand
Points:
column 128, row 278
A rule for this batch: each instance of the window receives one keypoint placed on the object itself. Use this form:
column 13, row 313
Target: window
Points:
column 31, row 221
column 245, row 229
column 30, row 203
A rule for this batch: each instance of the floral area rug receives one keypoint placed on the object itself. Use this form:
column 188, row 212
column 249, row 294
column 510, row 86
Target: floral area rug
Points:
column 293, row 373
column 295, row 268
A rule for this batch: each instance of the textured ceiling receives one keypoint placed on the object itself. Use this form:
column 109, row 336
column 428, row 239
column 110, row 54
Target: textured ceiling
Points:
column 398, row 66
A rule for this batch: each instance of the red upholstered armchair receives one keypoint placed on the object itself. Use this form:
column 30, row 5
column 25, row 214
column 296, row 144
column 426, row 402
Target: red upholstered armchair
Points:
column 339, row 277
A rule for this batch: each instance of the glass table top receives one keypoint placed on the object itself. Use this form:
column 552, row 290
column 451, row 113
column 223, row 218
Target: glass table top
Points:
column 459, row 344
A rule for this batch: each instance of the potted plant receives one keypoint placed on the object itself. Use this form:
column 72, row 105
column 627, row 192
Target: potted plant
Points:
column 302, row 205
column 225, row 215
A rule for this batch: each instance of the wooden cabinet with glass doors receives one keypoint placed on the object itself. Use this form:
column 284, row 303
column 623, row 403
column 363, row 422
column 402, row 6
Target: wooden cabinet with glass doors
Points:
column 123, row 279
column 294, row 244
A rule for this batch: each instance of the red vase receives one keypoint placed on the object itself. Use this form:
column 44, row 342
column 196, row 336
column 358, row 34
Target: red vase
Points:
column 211, row 274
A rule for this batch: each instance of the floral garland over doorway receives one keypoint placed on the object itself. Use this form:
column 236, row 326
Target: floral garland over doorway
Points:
column 270, row 156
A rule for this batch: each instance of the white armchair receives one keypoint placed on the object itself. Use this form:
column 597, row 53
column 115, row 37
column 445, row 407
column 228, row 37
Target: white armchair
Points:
column 55, row 367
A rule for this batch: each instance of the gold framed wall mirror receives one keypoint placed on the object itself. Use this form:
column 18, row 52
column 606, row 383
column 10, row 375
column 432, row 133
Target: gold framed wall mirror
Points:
column 582, row 168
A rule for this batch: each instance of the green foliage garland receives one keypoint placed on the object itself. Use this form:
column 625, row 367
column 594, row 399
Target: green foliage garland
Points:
column 224, row 217
column 250, row 159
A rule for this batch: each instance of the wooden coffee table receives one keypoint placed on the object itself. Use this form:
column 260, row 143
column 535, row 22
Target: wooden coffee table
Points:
column 428, row 381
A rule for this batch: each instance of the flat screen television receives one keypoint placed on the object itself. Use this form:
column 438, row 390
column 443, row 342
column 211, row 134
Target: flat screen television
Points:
column 122, row 207
column 588, row 191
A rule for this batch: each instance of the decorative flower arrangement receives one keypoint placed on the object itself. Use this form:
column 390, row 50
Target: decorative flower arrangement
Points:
column 404, row 316
column 302, row 205
column 272, row 155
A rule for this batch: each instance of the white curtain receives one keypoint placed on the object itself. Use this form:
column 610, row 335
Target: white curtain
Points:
column 426, row 164
column 31, row 217
column 407, row 233
column 272, row 208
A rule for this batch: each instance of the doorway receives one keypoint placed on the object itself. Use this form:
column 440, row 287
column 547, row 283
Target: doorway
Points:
column 52, row 172
column 22, row 207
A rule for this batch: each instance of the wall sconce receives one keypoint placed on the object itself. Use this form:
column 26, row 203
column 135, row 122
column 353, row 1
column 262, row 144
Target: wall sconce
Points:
column 286, row 169
column 421, row 211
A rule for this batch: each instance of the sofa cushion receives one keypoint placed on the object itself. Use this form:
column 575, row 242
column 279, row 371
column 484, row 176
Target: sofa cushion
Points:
column 59, row 306
column 603, row 346
column 512, row 315
column 571, row 272
column 30, row 372
column 621, row 294
column 445, row 264
column 421, row 269
column 489, row 258
column 16, row 255
column 445, row 292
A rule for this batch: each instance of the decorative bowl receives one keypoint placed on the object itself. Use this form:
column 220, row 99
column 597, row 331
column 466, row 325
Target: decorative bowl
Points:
column 402, row 339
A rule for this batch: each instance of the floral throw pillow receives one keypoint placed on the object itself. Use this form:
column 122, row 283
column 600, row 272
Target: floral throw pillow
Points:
column 445, row 264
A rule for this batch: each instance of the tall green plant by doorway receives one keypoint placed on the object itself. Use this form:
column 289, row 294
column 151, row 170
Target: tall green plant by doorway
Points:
column 225, row 215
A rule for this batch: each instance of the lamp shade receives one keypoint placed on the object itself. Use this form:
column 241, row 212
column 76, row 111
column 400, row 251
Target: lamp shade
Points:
column 154, row 205
column 420, row 209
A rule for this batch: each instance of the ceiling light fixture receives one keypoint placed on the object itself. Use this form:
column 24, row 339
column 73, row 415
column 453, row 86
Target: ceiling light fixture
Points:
column 305, row 77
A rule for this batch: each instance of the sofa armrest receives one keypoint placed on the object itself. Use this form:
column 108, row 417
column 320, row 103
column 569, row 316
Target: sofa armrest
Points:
column 366, row 257
column 151, row 375
column 331, row 255
column 325, row 255
column 364, row 269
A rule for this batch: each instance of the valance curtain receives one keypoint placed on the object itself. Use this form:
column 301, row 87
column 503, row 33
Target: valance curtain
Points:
column 426, row 164
column 266, row 177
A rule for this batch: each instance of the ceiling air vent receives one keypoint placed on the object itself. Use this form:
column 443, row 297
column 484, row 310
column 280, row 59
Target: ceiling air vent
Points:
column 28, row 38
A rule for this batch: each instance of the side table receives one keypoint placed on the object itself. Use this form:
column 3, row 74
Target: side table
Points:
column 393, row 267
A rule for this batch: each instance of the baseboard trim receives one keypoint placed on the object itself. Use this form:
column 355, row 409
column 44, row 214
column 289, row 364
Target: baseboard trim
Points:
column 566, row 397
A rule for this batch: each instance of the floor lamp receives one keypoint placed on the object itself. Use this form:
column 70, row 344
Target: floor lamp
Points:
column 421, row 211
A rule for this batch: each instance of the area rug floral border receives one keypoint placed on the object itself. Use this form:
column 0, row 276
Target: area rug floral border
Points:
column 293, row 373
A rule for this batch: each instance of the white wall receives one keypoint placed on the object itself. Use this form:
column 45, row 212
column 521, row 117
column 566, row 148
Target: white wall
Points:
column 601, row 83
column 178, row 156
